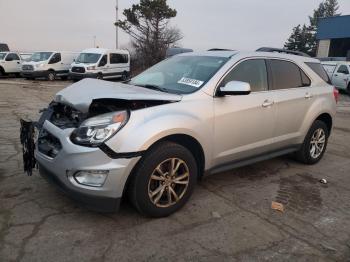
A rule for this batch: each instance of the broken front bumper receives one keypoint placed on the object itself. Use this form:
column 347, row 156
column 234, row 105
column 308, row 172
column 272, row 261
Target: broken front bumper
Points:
column 68, row 159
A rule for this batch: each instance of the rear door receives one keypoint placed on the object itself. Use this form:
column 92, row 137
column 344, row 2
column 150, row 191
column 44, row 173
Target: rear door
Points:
column 244, row 124
column 293, row 97
column 341, row 77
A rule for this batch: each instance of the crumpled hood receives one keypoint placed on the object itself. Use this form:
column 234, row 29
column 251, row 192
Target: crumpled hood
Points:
column 81, row 94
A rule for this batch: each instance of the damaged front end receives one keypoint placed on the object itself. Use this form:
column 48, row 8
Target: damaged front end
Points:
column 102, row 120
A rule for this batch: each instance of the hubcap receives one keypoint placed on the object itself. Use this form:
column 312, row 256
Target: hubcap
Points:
column 168, row 182
column 317, row 144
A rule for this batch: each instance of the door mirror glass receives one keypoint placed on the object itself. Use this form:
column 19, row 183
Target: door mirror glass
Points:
column 235, row 88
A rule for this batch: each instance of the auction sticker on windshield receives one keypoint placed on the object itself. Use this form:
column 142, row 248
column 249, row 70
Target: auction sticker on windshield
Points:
column 190, row 82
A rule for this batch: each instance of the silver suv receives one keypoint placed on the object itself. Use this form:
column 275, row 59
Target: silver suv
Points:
column 202, row 113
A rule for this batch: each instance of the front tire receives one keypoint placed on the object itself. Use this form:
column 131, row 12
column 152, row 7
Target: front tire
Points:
column 164, row 180
column 51, row 75
column 315, row 144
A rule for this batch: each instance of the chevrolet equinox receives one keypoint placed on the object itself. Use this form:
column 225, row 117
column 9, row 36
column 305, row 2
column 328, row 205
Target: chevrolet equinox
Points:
column 153, row 137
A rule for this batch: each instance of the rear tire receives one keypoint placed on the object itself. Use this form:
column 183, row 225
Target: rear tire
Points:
column 314, row 145
column 158, row 190
column 125, row 76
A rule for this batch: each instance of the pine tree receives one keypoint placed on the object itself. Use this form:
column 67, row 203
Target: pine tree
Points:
column 304, row 38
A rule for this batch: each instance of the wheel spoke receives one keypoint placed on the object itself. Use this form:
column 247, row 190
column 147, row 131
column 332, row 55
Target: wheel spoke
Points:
column 158, row 178
column 174, row 194
column 169, row 195
column 160, row 171
column 155, row 192
column 177, row 179
column 159, row 196
column 172, row 166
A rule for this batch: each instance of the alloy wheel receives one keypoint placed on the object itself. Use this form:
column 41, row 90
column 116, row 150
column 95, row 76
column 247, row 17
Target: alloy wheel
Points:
column 168, row 183
column 317, row 144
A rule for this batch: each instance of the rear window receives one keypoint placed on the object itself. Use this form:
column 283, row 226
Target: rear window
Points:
column 318, row 69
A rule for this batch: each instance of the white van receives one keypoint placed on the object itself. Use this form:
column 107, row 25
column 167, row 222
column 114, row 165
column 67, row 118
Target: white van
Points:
column 101, row 64
column 10, row 63
column 48, row 64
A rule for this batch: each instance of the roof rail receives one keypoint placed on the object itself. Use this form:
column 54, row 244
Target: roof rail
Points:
column 279, row 50
column 220, row 49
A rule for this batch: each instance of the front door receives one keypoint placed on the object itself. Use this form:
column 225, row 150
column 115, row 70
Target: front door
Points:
column 244, row 124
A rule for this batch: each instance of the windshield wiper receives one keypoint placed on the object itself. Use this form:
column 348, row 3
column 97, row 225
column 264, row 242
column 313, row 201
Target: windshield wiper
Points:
column 155, row 87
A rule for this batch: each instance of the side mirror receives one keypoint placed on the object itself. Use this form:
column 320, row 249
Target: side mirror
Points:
column 235, row 88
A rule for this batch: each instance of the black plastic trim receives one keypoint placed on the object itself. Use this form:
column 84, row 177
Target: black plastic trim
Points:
column 250, row 160
column 114, row 155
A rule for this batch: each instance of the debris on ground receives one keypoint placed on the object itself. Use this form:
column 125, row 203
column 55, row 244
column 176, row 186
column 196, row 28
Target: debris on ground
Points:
column 323, row 181
column 277, row 206
column 215, row 214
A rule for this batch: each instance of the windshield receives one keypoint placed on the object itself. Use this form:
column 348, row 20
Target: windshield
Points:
column 40, row 56
column 2, row 56
column 180, row 74
column 88, row 58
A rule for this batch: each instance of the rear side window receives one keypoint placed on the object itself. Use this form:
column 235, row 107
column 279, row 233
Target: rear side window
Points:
column 318, row 69
column 286, row 75
column 118, row 58
column 251, row 71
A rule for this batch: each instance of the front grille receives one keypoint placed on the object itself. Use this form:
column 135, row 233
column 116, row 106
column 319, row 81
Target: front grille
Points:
column 78, row 69
column 27, row 68
column 48, row 144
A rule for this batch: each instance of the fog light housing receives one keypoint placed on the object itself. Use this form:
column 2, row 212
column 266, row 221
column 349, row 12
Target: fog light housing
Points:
column 92, row 178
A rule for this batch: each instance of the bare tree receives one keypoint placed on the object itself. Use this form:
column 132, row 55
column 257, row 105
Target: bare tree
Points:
column 148, row 25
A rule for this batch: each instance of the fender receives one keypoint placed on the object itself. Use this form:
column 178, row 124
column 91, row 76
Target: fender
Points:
column 150, row 125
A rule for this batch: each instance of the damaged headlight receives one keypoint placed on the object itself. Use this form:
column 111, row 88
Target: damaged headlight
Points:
column 95, row 131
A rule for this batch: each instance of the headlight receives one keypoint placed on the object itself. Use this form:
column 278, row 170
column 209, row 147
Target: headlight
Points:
column 97, row 130
column 91, row 68
column 39, row 65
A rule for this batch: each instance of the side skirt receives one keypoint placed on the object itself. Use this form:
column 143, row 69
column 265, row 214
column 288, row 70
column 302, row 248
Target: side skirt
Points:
column 251, row 160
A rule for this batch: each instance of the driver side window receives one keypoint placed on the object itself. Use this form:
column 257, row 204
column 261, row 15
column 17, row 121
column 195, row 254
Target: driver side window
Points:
column 103, row 61
column 55, row 58
column 251, row 71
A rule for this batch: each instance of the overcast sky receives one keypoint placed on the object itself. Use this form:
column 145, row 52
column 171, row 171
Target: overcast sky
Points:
column 71, row 24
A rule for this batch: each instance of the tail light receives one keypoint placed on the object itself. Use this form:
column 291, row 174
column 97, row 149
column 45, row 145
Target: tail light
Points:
column 336, row 95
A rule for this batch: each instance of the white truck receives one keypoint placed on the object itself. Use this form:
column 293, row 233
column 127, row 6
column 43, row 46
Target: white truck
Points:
column 48, row 65
column 10, row 63
column 101, row 63
column 339, row 74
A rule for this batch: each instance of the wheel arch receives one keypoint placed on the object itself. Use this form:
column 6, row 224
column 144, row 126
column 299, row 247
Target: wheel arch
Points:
column 327, row 119
column 186, row 141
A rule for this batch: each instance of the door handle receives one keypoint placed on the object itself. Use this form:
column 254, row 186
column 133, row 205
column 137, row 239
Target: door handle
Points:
column 267, row 103
column 308, row 96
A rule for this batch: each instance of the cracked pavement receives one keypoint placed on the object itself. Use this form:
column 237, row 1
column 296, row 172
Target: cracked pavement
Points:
column 229, row 217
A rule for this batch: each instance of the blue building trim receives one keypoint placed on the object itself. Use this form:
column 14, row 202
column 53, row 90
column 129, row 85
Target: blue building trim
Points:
column 333, row 27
